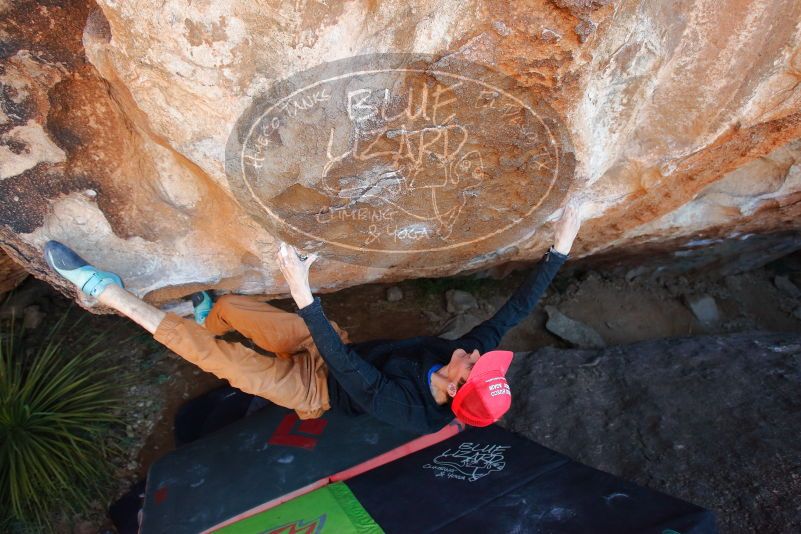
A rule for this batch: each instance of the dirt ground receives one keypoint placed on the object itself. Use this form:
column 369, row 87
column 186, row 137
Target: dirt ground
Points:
column 710, row 419
column 621, row 310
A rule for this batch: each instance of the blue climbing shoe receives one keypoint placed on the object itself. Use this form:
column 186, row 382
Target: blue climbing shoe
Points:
column 202, row 302
column 90, row 280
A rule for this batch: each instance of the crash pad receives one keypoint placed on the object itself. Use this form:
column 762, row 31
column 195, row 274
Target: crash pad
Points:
column 492, row 480
column 332, row 508
column 262, row 460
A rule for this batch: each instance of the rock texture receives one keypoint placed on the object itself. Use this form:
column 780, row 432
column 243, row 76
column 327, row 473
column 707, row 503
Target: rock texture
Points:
column 11, row 273
column 709, row 419
column 679, row 121
column 574, row 332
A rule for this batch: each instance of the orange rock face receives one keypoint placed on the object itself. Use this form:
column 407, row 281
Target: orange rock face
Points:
column 178, row 144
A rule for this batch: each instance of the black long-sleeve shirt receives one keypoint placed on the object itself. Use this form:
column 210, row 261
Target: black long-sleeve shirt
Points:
column 389, row 378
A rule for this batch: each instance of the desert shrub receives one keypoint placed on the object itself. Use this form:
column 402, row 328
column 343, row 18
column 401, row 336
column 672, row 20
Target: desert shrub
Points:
column 58, row 400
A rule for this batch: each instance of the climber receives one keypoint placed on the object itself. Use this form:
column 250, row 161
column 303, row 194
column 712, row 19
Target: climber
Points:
column 418, row 384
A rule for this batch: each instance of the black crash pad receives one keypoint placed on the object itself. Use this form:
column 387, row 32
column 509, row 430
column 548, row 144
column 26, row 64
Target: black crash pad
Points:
column 491, row 480
column 254, row 461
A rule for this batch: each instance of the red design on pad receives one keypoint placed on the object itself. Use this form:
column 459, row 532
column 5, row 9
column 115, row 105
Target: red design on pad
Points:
column 161, row 495
column 283, row 434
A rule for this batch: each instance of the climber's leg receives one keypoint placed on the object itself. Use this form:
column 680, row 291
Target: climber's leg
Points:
column 274, row 330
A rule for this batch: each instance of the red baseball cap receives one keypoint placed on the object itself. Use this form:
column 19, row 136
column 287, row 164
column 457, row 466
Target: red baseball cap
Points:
column 486, row 396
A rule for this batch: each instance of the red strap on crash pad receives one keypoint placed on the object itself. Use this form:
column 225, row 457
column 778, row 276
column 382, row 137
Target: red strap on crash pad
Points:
column 415, row 445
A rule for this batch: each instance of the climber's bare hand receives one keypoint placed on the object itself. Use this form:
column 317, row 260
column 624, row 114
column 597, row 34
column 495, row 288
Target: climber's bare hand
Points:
column 568, row 226
column 295, row 268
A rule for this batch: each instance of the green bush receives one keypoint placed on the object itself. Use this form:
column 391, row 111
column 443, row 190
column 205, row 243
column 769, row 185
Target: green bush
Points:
column 58, row 400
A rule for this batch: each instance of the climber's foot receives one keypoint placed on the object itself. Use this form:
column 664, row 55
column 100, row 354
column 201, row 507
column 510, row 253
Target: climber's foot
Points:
column 90, row 280
column 202, row 303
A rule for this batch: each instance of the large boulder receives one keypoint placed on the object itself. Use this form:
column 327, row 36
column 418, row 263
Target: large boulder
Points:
column 710, row 419
column 176, row 142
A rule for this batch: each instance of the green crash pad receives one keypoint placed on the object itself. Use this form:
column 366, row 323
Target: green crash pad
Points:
column 331, row 509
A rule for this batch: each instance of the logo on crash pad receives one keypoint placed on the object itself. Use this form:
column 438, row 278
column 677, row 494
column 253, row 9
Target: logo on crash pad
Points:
column 376, row 159
column 301, row 526
column 469, row 461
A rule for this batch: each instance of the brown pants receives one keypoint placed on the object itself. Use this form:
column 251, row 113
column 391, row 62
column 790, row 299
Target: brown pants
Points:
column 296, row 378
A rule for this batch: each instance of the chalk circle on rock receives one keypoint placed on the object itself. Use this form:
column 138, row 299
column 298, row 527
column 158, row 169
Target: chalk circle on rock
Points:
column 400, row 161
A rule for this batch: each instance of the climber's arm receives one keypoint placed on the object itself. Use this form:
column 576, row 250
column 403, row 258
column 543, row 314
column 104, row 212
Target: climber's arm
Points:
column 376, row 393
column 488, row 335
column 360, row 379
